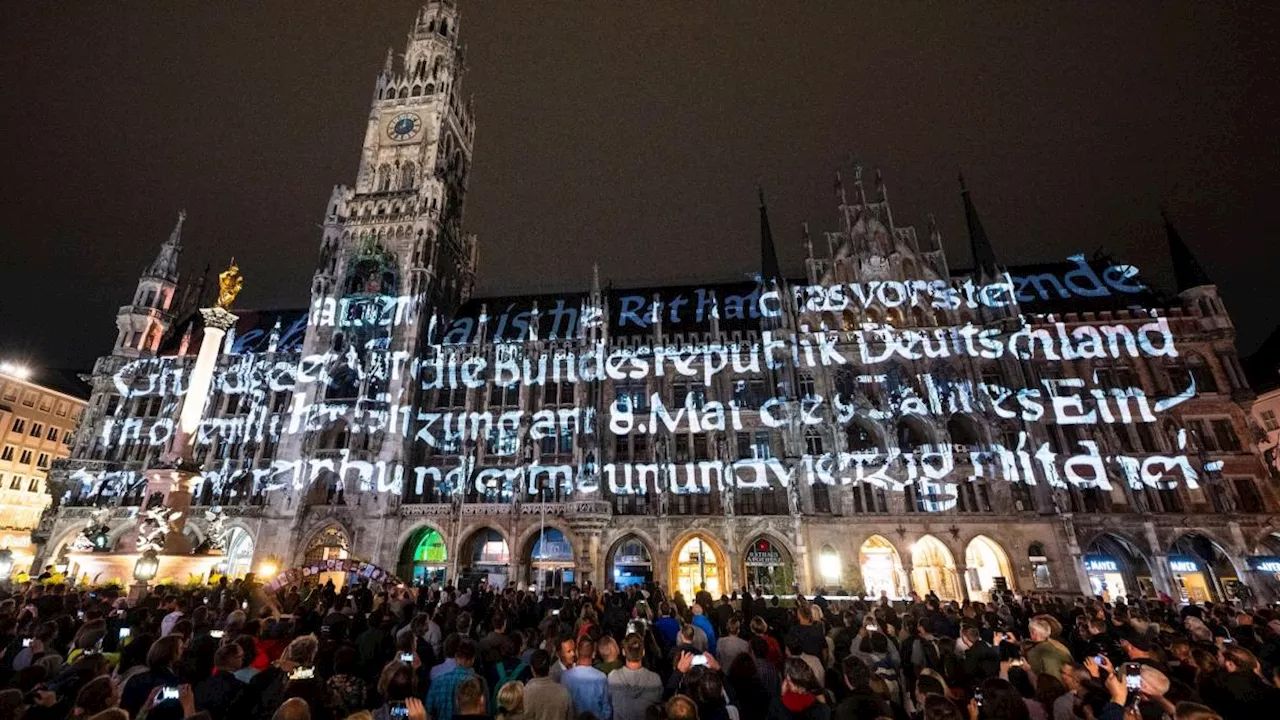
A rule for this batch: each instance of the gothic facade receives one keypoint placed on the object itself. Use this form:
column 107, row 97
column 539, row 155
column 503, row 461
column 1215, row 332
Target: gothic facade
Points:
column 340, row 466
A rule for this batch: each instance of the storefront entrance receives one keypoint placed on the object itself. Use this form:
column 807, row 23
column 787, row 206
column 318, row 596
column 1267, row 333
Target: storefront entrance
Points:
column 697, row 566
column 769, row 567
column 1105, row 578
column 1117, row 569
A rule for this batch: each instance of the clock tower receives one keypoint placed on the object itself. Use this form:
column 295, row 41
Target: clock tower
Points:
column 392, row 255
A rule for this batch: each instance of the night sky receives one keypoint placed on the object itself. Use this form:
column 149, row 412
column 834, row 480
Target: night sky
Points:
column 633, row 136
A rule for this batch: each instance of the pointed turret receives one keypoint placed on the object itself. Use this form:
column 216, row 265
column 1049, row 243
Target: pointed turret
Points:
column 1187, row 271
column 165, row 266
column 769, row 268
column 984, row 258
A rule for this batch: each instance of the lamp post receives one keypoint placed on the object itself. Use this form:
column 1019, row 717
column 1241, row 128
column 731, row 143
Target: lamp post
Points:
column 144, row 571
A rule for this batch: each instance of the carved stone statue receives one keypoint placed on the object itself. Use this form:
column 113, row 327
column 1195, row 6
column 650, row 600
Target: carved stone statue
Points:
column 230, row 282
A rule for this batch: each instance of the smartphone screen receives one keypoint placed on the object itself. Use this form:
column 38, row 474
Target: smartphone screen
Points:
column 699, row 660
column 406, row 657
column 26, row 642
column 168, row 692
column 215, row 634
column 1133, row 676
column 124, row 633
column 399, row 710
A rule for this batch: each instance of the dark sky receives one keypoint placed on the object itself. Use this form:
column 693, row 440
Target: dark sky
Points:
column 632, row 135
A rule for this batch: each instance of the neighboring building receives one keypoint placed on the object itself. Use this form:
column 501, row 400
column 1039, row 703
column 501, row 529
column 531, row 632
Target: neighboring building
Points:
column 38, row 416
column 302, row 475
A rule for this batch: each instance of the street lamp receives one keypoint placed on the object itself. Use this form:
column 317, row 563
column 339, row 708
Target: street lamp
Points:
column 144, row 571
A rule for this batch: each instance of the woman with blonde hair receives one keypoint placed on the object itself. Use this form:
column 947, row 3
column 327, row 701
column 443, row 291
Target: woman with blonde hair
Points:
column 511, row 701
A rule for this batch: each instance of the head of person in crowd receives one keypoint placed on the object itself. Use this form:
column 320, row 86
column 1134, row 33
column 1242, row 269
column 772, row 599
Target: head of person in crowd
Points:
column 937, row 707
column 228, row 658
column 568, row 651
column 12, row 704
column 855, row 673
column 927, row 685
column 1001, row 701
column 470, row 697
column 798, row 677
column 681, row 707
column 1194, row 711
column 397, row 683
column 1236, row 659
column 293, row 709
column 586, row 650
column 248, row 649
column 608, row 649
column 1039, row 630
column 466, row 653
column 302, row 651
column 633, row 650
column 511, row 700
column 95, row 696
column 540, row 663
column 164, row 654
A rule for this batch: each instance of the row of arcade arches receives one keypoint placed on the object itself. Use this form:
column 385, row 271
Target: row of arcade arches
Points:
column 1200, row 569
column 700, row 562
column 547, row 558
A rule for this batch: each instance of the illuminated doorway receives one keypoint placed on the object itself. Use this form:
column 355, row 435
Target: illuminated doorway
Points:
column 332, row 543
column 882, row 574
column 490, row 559
column 424, row 560
column 551, row 560
column 631, row 564
column 697, row 567
column 988, row 568
column 934, row 569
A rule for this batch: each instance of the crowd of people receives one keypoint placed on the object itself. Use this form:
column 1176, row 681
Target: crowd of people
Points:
column 235, row 652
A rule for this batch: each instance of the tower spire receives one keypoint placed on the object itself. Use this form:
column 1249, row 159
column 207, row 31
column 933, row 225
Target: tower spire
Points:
column 165, row 266
column 1187, row 271
column 984, row 258
column 769, row 269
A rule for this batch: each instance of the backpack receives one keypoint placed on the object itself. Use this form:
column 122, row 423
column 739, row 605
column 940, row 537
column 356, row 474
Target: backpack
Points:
column 504, row 677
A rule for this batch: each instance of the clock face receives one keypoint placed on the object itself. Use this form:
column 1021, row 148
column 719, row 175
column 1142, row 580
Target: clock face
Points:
column 404, row 126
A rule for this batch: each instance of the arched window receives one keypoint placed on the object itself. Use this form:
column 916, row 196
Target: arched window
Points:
column 912, row 435
column 404, row 92
column 444, row 28
column 384, row 178
column 1202, row 373
column 431, row 88
column 963, row 430
column 408, row 176
column 417, row 90
column 860, row 437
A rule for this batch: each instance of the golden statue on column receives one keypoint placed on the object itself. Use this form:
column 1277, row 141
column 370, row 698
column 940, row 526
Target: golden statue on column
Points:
column 230, row 282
